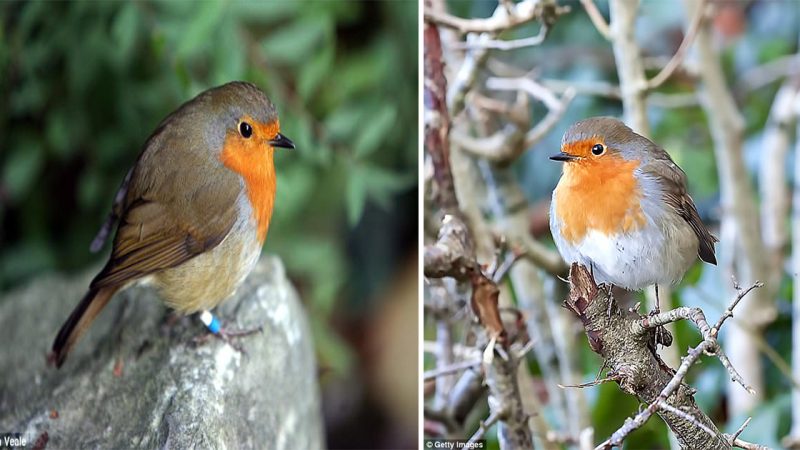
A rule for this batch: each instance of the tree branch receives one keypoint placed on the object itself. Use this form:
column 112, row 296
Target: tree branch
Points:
column 597, row 19
column 502, row 19
column 626, row 344
column 630, row 67
column 741, row 230
column 680, row 54
column 453, row 256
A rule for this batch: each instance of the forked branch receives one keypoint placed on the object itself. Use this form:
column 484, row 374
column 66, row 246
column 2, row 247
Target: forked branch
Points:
column 626, row 342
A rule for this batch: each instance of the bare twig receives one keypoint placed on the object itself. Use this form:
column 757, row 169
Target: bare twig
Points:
column 534, row 89
column 503, row 269
column 459, row 350
column 597, row 19
column 772, row 183
column 630, row 425
column 608, row 90
column 452, row 368
column 467, row 74
column 556, row 107
column 590, row 383
column 544, row 258
column 544, row 126
column 769, row 72
column 485, row 425
column 740, row 293
column 685, row 416
column 738, row 443
column 680, row 54
column 630, row 67
column 502, row 19
column 740, row 430
column 499, row 44
column 509, row 143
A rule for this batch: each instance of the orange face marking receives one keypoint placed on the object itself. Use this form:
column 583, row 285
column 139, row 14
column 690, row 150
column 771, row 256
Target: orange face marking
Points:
column 597, row 193
column 252, row 159
column 583, row 148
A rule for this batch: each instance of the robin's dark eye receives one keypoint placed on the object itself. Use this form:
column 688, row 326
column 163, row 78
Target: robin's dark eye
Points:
column 598, row 149
column 245, row 129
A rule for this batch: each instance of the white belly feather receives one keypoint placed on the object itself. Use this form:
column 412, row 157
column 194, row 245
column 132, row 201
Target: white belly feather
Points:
column 658, row 253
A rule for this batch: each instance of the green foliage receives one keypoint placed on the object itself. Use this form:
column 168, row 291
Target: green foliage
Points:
column 86, row 82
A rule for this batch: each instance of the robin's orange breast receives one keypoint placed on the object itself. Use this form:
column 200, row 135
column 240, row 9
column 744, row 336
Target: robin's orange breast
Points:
column 600, row 195
column 253, row 160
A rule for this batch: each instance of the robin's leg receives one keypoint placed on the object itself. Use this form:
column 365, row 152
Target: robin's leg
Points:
column 658, row 302
column 214, row 326
column 662, row 336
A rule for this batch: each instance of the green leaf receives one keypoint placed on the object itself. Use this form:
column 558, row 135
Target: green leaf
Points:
column 334, row 352
column 23, row 166
column 341, row 125
column 58, row 133
column 374, row 131
column 89, row 190
column 265, row 11
column 25, row 259
column 229, row 64
column 123, row 31
column 382, row 184
column 300, row 132
column 295, row 186
column 295, row 43
column 364, row 71
column 356, row 196
column 195, row 37
column 315, row 71
column 317, row 259
column 368, row 181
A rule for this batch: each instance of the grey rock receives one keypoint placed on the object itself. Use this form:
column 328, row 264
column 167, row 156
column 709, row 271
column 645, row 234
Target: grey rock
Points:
column 171, row 392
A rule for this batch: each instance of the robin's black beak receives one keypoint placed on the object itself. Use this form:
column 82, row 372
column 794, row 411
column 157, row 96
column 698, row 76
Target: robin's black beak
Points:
column 565, row 157
column 281, row 141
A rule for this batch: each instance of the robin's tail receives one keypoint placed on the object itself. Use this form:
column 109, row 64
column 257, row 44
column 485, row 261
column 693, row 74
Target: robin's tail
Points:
column 78, row 322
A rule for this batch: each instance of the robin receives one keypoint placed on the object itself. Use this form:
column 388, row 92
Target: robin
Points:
column 621, row 208
column 193, row 211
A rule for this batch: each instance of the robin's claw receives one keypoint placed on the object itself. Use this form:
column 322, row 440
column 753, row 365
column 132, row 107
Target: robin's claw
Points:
column 227, row 336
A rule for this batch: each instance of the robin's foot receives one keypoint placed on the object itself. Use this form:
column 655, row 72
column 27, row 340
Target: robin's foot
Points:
column 661, row 335
column 226, row 335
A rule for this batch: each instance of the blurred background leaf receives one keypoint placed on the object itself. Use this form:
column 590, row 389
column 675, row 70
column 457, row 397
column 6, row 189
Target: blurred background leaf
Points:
column 84, row 83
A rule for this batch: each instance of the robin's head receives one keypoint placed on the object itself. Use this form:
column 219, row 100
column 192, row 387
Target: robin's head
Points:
column 600, row 141
column 236, row 115
column 241, row 115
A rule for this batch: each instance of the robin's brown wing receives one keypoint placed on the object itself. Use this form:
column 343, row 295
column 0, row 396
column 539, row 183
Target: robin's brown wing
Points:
column 116, row 211
column 674, row 182
column 150, row 239
column 171, row 214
